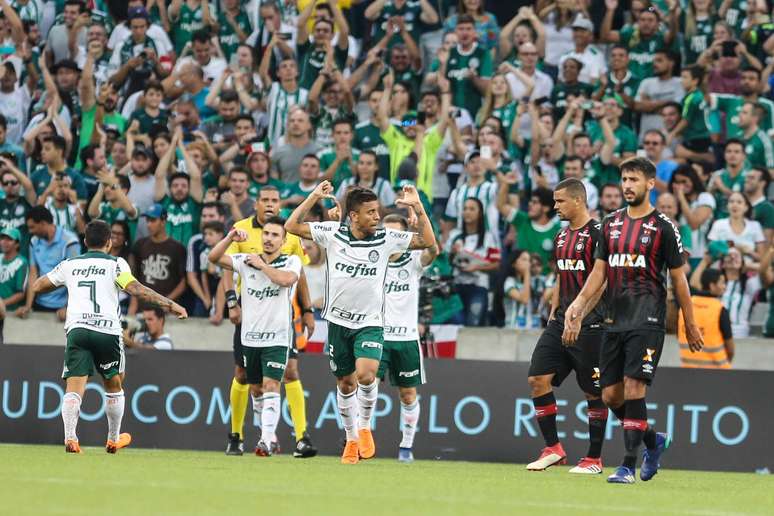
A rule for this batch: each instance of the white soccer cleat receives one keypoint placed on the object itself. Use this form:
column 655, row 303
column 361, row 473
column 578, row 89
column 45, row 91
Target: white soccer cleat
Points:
column 588, row 466
column 550, row 456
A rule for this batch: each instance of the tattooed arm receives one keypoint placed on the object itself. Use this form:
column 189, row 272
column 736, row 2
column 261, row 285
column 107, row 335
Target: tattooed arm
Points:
column 143, row 293
column 424, row 238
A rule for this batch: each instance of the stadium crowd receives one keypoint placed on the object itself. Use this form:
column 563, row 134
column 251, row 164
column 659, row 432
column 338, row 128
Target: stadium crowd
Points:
column 166, row 119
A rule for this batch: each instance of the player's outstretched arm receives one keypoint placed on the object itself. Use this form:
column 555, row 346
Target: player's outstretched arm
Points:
column 578, row 308
column 43, row 285
column 424, row 238
column 143, row 293
column 683, row 295
column 218, row 254
column 295, row 224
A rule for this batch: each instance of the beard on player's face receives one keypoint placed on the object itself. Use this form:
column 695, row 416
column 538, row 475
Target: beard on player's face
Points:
column 638, row 199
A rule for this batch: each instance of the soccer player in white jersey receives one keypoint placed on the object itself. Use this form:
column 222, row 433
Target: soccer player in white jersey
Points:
column 402, row 354
column 358, row 254
column 93, row 328
column 268, row 281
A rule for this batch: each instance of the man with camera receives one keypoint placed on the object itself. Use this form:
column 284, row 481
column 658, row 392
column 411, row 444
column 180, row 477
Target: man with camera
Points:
column 149, row 334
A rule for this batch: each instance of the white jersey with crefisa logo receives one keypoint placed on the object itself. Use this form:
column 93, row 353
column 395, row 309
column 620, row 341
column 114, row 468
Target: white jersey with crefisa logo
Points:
column 93, row 281
column 401, row 307
column 267, row 310
column 355, row 272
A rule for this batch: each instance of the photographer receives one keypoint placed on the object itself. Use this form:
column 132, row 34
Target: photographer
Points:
column 151, row 332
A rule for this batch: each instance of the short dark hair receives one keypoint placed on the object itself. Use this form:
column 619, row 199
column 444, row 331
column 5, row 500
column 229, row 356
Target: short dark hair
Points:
column 153, row 85
column 238, row 170
column 124, row 182
column 229, row 96
column 578, row 136
column 610, row 185
column 343, row 121
column 245, row 116
column 311, row 155
column 276, row 220
column 217, row 205
column 465, row 18
column 214, row 225
column 697, row 72
column 752, row 69
column 396, row 218
column 57, row 141
column 656, row 132
column 637, row 164
column 734, row 141
column 370, row 152
column 77, row 3
column 573, row 186
column 158, row 312
column 573, row 157
column 3, row 121
column 39, row 214
column 618, row 46
column 356, row 197
column 765, row 177
column 200, row 36
column 97, row 234
column 88, row 152
column 710, row 276
column 672, row 104
column 180, row 175
column 267, row 188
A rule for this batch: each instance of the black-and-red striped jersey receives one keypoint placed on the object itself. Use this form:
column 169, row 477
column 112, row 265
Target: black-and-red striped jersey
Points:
column 574, row 255
column 637, row 253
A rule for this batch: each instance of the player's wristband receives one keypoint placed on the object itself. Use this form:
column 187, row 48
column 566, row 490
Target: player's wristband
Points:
column 231, row 298
column 307, row 310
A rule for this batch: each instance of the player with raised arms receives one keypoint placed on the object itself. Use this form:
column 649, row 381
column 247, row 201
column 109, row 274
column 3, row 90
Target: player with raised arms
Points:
column 358, row 255
column 402, row 353
column 638, row 244
column 268, row 283
column 552, row 361
column 93, row 328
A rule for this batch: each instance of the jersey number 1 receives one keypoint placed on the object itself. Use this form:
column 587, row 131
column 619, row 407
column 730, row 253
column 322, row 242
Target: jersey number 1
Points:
column 92, row 286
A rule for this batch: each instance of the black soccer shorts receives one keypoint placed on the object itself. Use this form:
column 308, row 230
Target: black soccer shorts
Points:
column 552, row 357
column 634, row 354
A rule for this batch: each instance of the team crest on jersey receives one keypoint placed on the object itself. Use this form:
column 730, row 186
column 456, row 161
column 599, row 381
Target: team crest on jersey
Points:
column 579, row 246
column 645, row 239
column 373, row 256
column 403, row 274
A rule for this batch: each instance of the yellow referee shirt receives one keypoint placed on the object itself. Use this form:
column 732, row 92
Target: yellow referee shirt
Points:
column 254, row 242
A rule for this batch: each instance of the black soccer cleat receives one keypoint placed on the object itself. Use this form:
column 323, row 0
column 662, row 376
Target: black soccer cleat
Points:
column 235, row 445
column 304, row 448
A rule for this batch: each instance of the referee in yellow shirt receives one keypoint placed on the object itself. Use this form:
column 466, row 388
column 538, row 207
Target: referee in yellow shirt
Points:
column 266, row 206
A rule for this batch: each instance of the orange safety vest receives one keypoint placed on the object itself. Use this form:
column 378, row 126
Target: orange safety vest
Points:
column 706, row 311
column 297, row 325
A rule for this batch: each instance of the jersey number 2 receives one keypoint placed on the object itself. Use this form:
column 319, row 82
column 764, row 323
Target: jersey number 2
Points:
column 92, row 286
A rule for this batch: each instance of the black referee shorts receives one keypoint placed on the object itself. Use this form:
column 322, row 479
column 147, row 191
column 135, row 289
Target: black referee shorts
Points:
column 552, row 357
column 634, row 354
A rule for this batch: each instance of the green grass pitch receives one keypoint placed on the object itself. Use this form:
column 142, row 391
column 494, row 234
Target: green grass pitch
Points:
column 42, row 480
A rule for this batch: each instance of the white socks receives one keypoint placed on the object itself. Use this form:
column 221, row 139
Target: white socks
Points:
column 366, row 398
column 410, row 416
column 269, row 417
column 71, row 409
column 348, row 411
column 258, row 407
column 114, row 409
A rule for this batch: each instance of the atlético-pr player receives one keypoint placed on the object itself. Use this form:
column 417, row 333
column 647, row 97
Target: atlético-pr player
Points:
column 637, row 246
column 552, row 361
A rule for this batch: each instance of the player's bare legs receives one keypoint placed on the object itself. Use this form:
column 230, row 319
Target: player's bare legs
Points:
column 545, row 410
